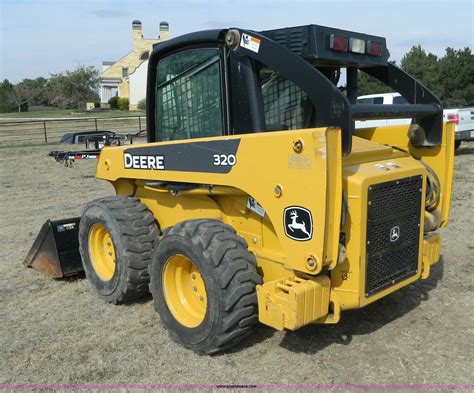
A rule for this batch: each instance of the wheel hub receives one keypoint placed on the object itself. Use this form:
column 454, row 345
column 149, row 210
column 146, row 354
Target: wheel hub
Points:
column 102, row 252
column 184, row 291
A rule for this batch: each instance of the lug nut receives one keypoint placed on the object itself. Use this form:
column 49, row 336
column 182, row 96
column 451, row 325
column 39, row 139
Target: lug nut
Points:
column 193, row 276
column 195, row 289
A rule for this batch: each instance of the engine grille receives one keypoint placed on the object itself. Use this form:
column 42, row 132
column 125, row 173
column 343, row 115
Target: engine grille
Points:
column 393, row 229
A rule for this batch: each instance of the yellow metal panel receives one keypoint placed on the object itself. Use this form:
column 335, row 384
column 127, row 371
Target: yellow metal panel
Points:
column 260, row 236
column 125, row 187
column 169, row 210
column 334, row 196
column 264, row 162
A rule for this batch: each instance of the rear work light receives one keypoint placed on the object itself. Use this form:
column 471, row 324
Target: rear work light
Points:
column 374, row 48
column 454, row 118
column 356, row 45
column 337, row 42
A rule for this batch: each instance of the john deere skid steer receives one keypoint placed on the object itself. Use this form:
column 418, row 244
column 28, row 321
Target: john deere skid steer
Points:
column 254, row 198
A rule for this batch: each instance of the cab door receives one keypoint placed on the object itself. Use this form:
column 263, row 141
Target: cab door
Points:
column 190, row 95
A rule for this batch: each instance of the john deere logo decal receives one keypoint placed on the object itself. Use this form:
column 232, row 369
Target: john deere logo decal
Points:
column 394, row 234
column 298, row 223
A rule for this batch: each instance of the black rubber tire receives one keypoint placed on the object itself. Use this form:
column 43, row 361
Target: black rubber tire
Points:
column 230, row 278
column 457, row 145
column 134, row 232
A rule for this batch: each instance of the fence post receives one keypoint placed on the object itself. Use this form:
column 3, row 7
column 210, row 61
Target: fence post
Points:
column 139, row 124
column 45, row 133
column 95, row 120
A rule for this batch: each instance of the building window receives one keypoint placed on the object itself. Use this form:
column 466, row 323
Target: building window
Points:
column 124, row 72
column 145, row 55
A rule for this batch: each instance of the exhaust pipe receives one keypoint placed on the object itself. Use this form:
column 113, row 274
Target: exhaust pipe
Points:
column 55, row 251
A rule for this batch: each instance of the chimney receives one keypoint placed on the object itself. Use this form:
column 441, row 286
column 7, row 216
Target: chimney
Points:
column 136, row 32
column 164, row 31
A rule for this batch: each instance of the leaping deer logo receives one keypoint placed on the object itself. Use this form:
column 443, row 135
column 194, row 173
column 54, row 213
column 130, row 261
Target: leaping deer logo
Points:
column 297, row 225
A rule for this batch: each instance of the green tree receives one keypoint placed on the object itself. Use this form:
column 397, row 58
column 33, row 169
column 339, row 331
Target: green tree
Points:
column 6, row 104
column 36, row 91
column 423, row 67
column 113, row 102
column 456, row 70
column 367, row 84
column 18, row 96
column 72, row 89
column 123, row 104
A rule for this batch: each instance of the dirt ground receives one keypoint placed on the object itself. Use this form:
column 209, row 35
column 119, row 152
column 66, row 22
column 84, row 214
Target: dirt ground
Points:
column 61, row 332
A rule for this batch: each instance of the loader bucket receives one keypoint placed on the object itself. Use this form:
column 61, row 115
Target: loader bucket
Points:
column 55, row 252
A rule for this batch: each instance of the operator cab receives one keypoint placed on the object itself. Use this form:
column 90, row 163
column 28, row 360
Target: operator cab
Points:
column 228, row 82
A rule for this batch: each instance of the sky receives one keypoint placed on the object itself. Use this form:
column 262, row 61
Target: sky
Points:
column 43, row 37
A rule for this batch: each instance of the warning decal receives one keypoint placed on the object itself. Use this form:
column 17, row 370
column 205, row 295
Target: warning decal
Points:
column 250, row 43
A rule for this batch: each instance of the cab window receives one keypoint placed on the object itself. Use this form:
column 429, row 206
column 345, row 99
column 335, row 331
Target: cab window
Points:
column 286, row 106
column 189, row 99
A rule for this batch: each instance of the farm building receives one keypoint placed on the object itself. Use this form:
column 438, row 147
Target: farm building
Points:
column 118, row 78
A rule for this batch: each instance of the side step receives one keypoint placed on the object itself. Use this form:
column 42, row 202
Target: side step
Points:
column 293, row 302
column 55, row 252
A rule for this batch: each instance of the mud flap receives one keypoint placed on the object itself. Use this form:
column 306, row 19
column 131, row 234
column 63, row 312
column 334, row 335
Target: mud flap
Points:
column 55, row 252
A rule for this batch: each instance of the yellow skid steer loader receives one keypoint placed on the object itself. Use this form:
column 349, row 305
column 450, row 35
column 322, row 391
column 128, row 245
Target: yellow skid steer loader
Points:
column 255, row 199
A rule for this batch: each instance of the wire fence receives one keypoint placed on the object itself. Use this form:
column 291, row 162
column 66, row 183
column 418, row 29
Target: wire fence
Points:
column 35, row 132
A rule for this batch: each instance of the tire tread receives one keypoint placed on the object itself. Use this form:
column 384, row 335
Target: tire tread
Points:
column 139, row 233
column 236, row 274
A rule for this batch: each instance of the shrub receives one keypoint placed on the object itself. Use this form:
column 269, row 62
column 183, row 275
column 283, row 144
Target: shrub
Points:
column 113, row 102
column 142, row 104
column 96, row 104
column 123, row 104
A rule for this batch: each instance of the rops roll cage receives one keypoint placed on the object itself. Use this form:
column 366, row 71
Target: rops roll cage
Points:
column 295, row 53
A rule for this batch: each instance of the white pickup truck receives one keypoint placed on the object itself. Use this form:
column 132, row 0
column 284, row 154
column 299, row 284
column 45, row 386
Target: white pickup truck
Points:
column 463, row 118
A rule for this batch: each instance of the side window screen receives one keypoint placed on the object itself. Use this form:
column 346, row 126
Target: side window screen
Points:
column 285, row 105
column 189, row 95
column 378, row 100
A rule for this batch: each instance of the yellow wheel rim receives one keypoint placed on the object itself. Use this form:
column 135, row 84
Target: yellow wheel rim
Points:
column 184, row 291
column 102, row 252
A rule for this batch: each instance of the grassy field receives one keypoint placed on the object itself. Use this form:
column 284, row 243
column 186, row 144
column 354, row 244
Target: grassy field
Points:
column 68, row 113
column 59, row 331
